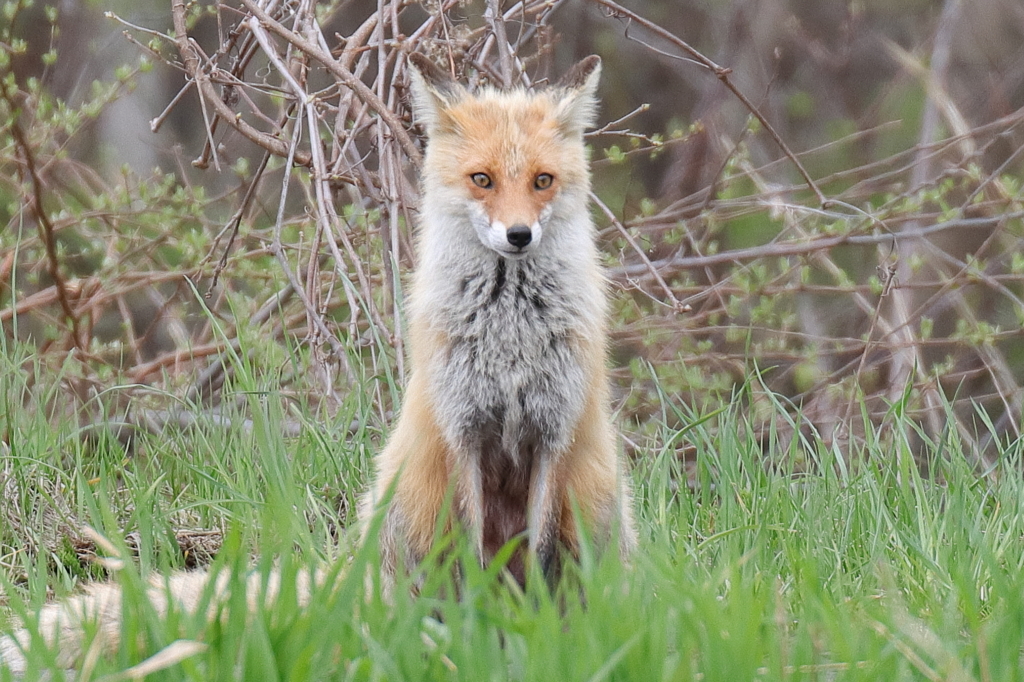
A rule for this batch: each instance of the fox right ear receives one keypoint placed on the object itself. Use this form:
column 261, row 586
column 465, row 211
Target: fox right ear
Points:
column 433, row 93
column 577, row 91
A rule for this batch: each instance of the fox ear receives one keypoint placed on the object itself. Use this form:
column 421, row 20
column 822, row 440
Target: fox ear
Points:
column 433, row 93
column 577, row 96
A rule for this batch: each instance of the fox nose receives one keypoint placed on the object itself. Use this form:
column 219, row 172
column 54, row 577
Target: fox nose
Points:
column 519, row 236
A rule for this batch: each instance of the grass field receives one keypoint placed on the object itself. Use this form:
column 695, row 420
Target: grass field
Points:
column 821, row 566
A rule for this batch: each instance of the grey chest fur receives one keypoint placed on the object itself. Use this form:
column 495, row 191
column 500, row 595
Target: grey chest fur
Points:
column 510, row 383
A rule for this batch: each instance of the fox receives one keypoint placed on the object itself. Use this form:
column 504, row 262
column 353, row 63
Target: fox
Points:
column 506, row 422
column 508, row 395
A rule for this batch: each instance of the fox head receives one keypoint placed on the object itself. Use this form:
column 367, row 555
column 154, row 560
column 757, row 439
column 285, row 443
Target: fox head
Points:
column 510, row 162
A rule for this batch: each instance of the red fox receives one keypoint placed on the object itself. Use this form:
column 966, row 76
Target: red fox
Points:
column 507, row 404
column 507, row 399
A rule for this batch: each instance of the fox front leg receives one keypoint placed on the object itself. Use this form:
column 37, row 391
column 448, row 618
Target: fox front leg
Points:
column 471, row 501
column 543, row 516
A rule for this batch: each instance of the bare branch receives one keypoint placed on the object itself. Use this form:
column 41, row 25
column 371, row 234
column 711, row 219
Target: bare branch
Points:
column 197, row 73
column 722, row 74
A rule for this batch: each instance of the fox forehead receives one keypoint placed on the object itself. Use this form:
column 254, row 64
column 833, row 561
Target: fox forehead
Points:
column 509, row 135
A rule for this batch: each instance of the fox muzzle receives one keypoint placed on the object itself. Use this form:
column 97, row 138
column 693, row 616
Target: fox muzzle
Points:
column 519, row 235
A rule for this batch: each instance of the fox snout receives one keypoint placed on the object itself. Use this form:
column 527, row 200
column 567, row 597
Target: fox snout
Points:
column 513, row 239
column 519, row 235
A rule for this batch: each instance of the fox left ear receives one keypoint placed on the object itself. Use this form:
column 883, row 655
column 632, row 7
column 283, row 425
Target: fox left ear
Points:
column 433, row 93
column 577, row 96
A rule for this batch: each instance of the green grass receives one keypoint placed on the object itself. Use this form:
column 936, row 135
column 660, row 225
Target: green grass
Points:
column 825, row 565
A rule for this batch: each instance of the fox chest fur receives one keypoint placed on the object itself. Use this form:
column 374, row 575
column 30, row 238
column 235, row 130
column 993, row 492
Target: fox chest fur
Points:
column 509, row 381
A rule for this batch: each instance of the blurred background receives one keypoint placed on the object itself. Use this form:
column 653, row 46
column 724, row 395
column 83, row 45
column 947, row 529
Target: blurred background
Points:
column 149, row 229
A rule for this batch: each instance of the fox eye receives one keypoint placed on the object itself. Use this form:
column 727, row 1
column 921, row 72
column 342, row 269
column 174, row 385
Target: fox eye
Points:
column 543, row 181
column 481, row 180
